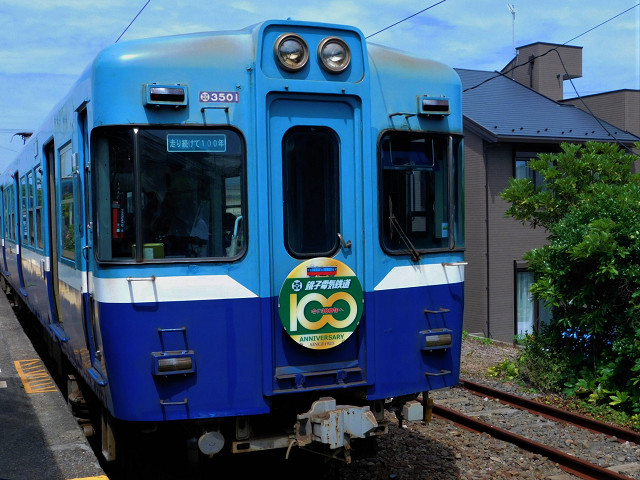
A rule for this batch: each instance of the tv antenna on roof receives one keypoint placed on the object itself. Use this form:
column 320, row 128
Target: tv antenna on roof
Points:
column 512, row 9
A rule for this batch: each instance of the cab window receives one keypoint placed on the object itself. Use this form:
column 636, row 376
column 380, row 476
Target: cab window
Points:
column 420, row 203
column 169, row 194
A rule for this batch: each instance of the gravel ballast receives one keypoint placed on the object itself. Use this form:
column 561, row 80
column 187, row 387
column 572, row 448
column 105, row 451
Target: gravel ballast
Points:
column 442, row 450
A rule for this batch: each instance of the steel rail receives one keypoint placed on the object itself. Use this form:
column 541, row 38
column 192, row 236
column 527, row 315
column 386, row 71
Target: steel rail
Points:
column 553, row 413
column 574, row 465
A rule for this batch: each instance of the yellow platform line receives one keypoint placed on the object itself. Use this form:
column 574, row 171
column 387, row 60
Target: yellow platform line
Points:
column 34, row 376
column 100, row 477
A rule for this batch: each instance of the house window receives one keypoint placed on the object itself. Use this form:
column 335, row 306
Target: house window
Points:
column 522, row 169
column 530, row 313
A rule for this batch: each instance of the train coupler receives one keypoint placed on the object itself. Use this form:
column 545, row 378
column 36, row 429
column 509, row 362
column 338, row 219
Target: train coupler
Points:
column 334, row 425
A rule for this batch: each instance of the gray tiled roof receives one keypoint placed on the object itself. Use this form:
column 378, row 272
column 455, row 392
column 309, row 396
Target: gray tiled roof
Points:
column 502, row 109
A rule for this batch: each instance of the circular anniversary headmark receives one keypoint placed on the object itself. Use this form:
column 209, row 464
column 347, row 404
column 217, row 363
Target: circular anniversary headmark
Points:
column 320, row 303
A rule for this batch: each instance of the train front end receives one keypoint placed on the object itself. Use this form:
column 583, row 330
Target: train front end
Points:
column 277, row 236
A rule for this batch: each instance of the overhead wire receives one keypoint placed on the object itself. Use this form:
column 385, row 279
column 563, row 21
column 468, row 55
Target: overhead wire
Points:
column 600, row 24
column 530, row 60
column 19, row 132
column 578, row 96
column 498, row 74
column 134, row 19
column 407, row 18
column 533, row 58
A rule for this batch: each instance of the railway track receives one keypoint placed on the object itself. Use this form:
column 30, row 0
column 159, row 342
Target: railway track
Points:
column 499, row 422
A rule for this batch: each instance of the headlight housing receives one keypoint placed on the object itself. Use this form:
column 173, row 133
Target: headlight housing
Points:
column 334, row 54
column 291, row 51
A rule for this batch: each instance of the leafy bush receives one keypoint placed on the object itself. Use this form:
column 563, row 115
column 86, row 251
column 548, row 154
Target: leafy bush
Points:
column 505, row 369
column 589, row 273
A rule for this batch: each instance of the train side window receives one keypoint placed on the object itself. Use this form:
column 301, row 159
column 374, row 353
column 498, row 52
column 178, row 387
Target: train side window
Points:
column 14, row 212
column 31, row 209
column 24, row 229
column 6, row 211
column 113, row 150
column 11, row 207
column 311, row 191
column 67, row 204
column 419, row 192
column 39, row 206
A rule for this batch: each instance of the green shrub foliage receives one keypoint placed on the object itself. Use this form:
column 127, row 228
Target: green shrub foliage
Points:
column 589, row 273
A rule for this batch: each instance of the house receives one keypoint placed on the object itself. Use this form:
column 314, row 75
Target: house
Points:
column 506, row 123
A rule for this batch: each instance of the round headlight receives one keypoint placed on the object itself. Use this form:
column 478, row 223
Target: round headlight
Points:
column 334, row 54
column 291, row 51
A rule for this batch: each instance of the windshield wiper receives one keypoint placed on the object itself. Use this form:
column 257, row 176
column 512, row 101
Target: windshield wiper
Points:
column 415, row 255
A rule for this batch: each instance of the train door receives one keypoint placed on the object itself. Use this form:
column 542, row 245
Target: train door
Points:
column 88, row 300
column 9, row 239
column 316, row 242
column 5, row 229
column 31, row 273
column 21, row 234
column 53, row 285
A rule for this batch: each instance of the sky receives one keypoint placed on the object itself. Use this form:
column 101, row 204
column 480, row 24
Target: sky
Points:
column 46, row 44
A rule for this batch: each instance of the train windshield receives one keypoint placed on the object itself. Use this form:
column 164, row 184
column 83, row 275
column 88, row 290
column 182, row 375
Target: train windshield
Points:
column 421, row 188
column 179, row 193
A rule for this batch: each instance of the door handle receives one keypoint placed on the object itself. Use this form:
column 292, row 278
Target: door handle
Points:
column 345, row 245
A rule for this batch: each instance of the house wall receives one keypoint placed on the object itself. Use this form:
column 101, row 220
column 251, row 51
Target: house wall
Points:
column 494, row 242
column 620, row 108
column 476, row 291
column 539, row 67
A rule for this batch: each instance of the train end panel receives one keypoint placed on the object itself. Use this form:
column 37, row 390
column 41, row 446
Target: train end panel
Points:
column 172, row 351
column 419, row 312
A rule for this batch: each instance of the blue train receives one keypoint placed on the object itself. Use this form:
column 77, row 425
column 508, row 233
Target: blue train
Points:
column 256, row 235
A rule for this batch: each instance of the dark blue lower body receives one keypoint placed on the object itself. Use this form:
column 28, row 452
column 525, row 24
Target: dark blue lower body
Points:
column 244, row 359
